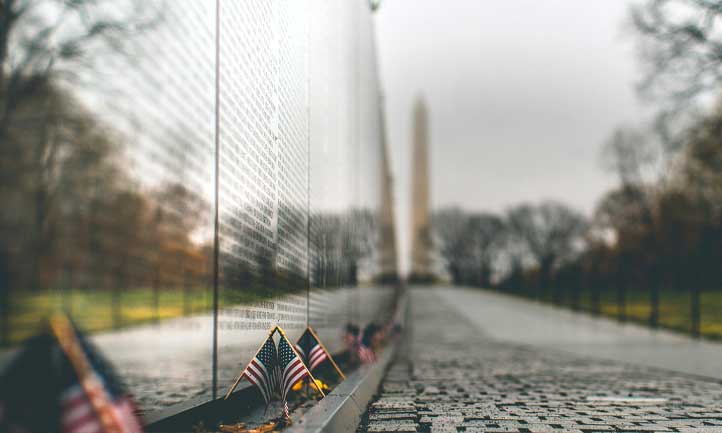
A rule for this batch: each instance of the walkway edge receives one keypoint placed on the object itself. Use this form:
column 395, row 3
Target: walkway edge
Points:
column 342, row 409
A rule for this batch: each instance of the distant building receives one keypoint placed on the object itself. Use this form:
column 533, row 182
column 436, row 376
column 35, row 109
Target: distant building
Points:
column 421, row 245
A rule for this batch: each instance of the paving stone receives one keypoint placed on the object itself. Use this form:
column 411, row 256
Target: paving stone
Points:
column 702, row 430
column 393, row 416
column 377, row 427
column 450, row 377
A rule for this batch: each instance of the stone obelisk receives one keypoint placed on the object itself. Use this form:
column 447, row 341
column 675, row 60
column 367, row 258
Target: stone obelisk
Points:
column 420, row 221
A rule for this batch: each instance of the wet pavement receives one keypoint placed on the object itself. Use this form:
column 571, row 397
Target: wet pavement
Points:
column 519, row 320
column 460, row 371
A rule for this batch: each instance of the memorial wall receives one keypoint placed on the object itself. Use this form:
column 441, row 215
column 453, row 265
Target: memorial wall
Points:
column 200, row 173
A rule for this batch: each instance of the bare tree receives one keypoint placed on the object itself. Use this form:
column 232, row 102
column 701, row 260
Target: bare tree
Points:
column 702, row 164
column 632, row 154
column 487, row 234
column 327, row 234
column 52, row 150
column 43, row 41
column 637, row 160
column 453, row 239
column 681, row 48
column 550, row 232
column 358, row 242
column 43, row 44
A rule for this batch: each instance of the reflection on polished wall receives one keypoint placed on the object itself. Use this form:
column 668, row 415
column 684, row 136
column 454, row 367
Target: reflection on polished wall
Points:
column 188, row 177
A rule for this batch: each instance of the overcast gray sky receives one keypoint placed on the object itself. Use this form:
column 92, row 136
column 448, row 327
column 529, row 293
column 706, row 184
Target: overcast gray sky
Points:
column 521, row 94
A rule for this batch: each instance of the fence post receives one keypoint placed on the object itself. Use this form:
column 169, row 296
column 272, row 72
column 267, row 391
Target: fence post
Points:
column 576, row 286
column 186, row 293
column 557, row 291
column 156, row 293
column 66, row 293
column 4, row 314
column 116, row 306
column 695, row 313
column 621, row 300
column 596, row 300
column 654, row 306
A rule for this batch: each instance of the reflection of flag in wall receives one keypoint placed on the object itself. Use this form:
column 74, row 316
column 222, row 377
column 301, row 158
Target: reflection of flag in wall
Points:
column 310, row 350
column 365, row 354
column 69, row 389
column 262, row 371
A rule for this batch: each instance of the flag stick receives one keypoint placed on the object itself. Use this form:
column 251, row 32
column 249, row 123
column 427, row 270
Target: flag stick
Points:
column 235, row 384
column 283, row 335
column 330, row 358
column 240, row 376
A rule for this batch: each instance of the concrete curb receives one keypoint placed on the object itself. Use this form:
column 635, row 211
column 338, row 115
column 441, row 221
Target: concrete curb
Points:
column 342, row 409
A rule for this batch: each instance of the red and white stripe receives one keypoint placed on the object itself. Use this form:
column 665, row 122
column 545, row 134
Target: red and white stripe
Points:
column 257, row 374
column 124, row 410
column 366, row 355
column 294, row 371
column 300, row 351
column 317, row 356
column 77, row 413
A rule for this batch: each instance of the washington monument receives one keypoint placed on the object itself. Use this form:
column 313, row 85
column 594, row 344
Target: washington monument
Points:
column 420, row 221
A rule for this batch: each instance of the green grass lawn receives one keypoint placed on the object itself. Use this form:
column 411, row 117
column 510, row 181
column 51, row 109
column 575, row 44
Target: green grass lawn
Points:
column 711, row 314
column 94, row 311
column 674, row 309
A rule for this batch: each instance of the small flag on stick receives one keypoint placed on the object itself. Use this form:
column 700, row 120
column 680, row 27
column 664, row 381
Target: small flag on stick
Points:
column 275, row 369
column 262, row 370
column 365, row 354
column 313, row 352
column 292, row 369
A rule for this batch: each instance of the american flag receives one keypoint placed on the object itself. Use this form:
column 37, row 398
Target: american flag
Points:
column 365, row 354
column 92, row 408
column 291, row 366
column 42, row 391
column 93, row 401
column 262, row 371
column 310, row 350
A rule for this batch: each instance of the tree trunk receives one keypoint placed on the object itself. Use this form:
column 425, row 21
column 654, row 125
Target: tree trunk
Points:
column 654, row 301
column 695, row 310
column 621, row 297
column 576, row 288
column 545, row 271
column 6, row 24
column 4, row 301
column 484, row 274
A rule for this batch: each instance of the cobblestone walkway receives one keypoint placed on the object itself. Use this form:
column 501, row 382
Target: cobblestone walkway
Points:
column 451, row 378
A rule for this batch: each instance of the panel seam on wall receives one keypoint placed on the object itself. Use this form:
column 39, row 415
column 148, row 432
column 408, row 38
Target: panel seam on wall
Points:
column 214, row 366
